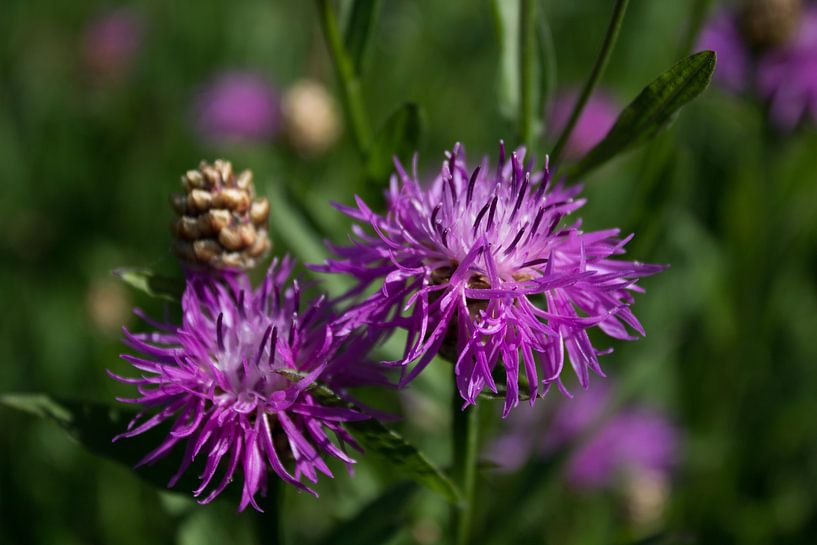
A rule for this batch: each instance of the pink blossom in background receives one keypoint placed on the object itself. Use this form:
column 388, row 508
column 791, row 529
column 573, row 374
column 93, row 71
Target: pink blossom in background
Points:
column 112, row 41
column 238, row 106
column 787, row 76
column 722, row 35
column 596, row 119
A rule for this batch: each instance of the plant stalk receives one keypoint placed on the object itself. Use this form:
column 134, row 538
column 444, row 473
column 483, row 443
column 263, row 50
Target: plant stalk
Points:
column 595, row 75
column 465, row 434
column 527, row 58
column 350, row 91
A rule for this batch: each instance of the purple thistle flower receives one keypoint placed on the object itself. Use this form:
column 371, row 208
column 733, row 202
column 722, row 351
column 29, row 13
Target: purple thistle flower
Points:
column 112, row 41
column 635, row 440
column 721, row 34
column 238, row 107
column 787, row 76
column 596, row 120
column 482, row 265
column 219, row 377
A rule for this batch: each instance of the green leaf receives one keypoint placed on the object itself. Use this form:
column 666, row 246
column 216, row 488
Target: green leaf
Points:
column 359, row 29
column 375, row 437
column 653, row 109
column 94, row 425
column 154, row 285
column 400, row 138
column 377, row 521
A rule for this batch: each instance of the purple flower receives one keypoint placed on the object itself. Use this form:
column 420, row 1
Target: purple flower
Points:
column 484, row 267
column 597, row 118
column 111, row 42
column 722, row 35
column 238, row 106
column 787, row 76
column 633, row 441
column 219, row 377
column 636, row 440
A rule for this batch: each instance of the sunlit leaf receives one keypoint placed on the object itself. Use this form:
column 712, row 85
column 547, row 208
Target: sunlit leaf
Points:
column 359, row 30
column 653, row 110
column 147, row 281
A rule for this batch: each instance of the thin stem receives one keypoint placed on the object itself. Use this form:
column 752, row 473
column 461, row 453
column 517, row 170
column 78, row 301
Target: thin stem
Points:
column 527, row 44
column 595, row 75
column 465, row 433
column 351, row 95
column 270, row 524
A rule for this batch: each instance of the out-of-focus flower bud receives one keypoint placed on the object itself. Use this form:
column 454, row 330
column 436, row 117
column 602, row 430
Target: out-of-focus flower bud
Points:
column 112, row 42
column 769, row 23
column 220, row 223
column 107, row 304
column 311, row 116
column 646, row 492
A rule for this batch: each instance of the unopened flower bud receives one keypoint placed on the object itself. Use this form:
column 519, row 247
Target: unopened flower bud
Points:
column 311, row 116
column 769, row 23
column 221, row 224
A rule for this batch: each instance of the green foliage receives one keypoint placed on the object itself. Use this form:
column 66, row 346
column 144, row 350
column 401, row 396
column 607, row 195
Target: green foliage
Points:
column 398, row 139
column 154, row 285
column 652, row 111
column 359, row 30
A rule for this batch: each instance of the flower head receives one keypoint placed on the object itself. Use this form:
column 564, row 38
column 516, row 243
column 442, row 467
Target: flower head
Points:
column 485, row 267
column 225, row 378
column 597, row 118
column 112, row 41
column 787, row 76
column 634, row 441
column 238, row 107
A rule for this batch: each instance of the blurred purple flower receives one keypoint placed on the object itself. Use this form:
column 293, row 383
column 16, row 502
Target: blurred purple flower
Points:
column 112, row 41
column 635, row 440
column 597, row 118
column 238, row 106
column 722, row 35
column 787, row 76
column 480, row 266
column 219, row 377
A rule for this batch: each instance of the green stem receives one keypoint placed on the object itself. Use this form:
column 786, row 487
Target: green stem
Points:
column 527, row 57
column 270, row 524
column 465, row 433
column 595, row 75
column 351, row 95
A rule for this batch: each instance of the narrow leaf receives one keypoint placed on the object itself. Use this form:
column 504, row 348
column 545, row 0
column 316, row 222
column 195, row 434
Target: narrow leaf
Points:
column 145, row 280
column 399, row 137
column 359, row 30
column 93, row 425
column 652, row 111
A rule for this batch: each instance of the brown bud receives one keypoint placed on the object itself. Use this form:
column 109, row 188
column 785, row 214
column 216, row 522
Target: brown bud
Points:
column 218, row 219
column 220, row 223
column 770, row 23
column 187, row 228
column 206, row 250
column 259, row 211
column 192, row 179
column 199, row 200
column 234, row 199
column 179, row 203
column 244, row 180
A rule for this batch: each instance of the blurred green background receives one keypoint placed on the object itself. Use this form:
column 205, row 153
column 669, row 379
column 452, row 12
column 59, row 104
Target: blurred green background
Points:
column 86, row 166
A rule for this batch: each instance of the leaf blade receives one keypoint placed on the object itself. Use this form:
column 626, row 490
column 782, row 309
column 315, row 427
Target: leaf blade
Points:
column 154, row 285
column 653, row 110
column 359, row 30
column 399, row 137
